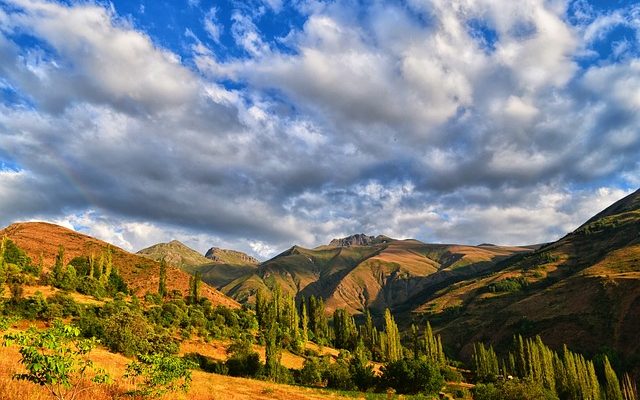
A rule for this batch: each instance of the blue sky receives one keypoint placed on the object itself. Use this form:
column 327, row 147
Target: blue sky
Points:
column 258, row 124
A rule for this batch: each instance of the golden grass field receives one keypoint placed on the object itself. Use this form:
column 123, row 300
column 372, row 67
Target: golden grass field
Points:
column 205, row 386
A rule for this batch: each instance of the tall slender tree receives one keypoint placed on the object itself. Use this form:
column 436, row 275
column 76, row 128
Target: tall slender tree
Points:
column 612, row 384
column 393, row 347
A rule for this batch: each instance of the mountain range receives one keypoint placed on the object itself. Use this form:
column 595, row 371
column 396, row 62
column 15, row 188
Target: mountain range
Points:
column 582, row 290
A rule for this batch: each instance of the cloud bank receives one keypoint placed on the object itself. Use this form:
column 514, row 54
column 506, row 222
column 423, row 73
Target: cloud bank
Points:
column 448, row 121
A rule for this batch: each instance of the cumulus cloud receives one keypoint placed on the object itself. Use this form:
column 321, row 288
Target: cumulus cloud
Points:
column 436, row 119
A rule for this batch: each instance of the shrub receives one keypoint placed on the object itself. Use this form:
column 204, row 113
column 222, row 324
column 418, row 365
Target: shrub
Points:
column 412, row 376
column 243, row 361
column 157, row 374
column 513, row 390
column 56, row 359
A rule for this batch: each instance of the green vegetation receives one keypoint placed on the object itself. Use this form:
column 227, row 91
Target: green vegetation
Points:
column 56, row 358
column 157, row 374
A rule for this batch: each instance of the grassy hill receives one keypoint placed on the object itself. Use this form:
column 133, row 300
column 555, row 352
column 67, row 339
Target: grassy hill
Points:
column 218, row 267
column 174, row 253
column 583, row 290
column 40, row 239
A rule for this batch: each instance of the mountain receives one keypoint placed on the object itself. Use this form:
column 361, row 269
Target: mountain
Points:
column 218, row 267
column 582, row 290
column 141, row 274
column 231, row 257
column 174, row 253
column 359, row 239
column 361, row 271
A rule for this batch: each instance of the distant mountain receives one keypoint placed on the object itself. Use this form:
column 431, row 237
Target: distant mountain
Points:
column 232, row 257
column 140, row 273
column 174, row 253
column 359, row 239
column 361, row 271
column 582, row 290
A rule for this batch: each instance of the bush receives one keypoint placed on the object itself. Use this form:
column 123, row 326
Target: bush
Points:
column 157, row 374
column 243, row 361
column 513, row 390
column 56, row 359
column 412, row 376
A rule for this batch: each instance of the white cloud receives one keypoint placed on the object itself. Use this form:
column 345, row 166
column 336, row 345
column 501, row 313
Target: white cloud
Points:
column 384, row 119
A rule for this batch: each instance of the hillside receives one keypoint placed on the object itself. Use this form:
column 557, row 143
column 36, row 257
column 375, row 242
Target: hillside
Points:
column 218, row 267
column 140, row 273
column 174, row 253
column 363, row 271
column 583, row 290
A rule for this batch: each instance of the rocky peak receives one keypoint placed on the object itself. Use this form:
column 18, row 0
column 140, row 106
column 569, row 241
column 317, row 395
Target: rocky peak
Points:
column 229, row 256
column 359, row 239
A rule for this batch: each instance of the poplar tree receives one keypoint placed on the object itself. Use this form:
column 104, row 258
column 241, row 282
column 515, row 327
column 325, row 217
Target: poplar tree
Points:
column 393, row 347
column 58, row 267
column 629, row 391
column 273, row 354
column 612, row 385
column 485, row 362
column 304, row 321
column 433, row 346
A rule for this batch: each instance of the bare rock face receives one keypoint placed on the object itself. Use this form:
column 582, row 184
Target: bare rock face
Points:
column 229, row 256
column 359, row 239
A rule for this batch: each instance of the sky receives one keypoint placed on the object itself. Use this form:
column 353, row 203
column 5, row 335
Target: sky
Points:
column 260, row 124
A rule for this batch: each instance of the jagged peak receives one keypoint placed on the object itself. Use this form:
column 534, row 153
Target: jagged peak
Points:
column 359, row 239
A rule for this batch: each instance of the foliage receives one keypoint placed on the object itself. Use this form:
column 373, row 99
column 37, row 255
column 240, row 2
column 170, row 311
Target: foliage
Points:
column 513, row 390
column 243, row 360
column 509, row 285
column 157, row 374
column 412, row 376
column 56, row 358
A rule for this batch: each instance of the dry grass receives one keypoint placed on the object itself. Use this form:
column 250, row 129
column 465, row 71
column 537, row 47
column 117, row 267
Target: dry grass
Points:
column 217, row 350
column 205, row 386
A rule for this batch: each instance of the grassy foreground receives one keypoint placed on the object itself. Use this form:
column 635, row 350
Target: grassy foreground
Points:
column 204, row 386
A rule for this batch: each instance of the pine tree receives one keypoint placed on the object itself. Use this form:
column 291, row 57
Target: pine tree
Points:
column 612, row 385
column 162, row 284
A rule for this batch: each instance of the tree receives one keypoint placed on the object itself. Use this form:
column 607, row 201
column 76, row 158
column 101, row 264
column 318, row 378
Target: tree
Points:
column 157, row 374
column 612, row 385
column 345, row 331
column 56, row 358
column 629, row 391
column 409, row 376
column 392, row 345
column 58, row 267
column 485, row 362
column 433, row 346
column 273, row 354
column 162, row 284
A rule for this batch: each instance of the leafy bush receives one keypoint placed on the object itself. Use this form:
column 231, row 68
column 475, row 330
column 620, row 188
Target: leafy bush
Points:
column 412, row 376
column 157, row 374
column 513, row 390
column 243, row 361
column 56, row 359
